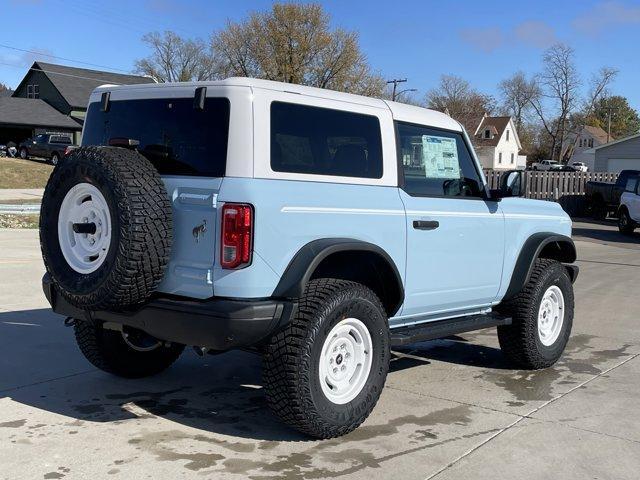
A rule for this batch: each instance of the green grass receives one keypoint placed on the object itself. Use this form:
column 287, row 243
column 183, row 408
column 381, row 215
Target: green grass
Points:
column 18, row 173
column 9, row 220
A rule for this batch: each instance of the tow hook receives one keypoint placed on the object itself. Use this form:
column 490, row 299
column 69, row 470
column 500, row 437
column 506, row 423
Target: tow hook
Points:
column 69, row 322
column 200, row 350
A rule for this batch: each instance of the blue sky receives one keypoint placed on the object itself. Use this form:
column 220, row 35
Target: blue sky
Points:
column 481, row 41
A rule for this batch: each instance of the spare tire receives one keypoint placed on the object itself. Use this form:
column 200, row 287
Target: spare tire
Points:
column 105, row 228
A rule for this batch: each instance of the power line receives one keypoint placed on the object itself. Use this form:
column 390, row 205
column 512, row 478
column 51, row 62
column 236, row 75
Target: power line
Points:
column 60, row 58
column 63, row 74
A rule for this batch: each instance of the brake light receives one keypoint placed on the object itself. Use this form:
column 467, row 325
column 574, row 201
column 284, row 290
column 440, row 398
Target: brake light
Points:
column 236, row 236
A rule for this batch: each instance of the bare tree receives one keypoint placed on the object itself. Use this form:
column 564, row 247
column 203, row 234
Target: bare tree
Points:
column 455, row 96
column 175, row 59
column 559, row 83
column 5, row 91
column 517, row 94
column 599, row 88
column 294, row 43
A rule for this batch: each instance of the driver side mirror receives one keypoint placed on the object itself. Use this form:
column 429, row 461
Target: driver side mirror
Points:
column 512, row 184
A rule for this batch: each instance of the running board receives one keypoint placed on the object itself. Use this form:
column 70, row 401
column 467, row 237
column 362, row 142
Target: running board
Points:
column 443, row 328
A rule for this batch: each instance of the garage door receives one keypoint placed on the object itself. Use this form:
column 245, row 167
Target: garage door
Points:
column 619, row 164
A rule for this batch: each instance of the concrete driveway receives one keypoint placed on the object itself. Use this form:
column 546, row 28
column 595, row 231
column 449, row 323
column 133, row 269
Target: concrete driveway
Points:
column 452, row 409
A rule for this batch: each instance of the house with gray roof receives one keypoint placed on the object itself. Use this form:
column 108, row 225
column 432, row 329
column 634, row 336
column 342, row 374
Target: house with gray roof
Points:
column 54, row 98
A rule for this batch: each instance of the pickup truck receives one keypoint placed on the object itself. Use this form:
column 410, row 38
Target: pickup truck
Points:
column 603, row 197
column 546, row 165
column 46, row 145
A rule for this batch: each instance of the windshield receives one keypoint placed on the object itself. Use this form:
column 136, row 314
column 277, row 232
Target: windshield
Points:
column 176, row 137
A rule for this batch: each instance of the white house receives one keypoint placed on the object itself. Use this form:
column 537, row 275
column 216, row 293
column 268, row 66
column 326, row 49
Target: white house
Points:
column 582, row 145
column 497, row 144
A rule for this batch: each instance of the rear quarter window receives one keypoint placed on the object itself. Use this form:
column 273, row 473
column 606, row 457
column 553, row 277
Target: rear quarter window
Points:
column 322, row 141
column 177, row 138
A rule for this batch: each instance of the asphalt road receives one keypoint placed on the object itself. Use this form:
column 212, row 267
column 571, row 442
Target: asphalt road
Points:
column 452, row 409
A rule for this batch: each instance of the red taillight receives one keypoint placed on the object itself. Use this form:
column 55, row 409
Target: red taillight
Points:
column 237, row 235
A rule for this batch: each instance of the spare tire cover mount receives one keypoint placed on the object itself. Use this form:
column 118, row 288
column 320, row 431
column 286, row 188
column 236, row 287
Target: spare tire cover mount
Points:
column 84, row 228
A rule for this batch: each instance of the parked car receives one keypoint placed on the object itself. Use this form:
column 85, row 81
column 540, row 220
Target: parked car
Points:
column 317, row 228
column 46, row 145
column 564, row 168
column 580, row 166
column 629, row 210
column 604, row 197
column 545, row 165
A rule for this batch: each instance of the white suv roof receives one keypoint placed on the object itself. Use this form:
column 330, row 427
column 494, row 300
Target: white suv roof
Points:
column 400, row 111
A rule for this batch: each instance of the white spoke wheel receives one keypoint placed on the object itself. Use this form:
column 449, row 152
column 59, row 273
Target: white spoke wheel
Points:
column 84, row 228
column 550, row 315
column 345, row 361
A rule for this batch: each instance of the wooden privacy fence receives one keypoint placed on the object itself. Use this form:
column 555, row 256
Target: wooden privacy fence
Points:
column 567, row 188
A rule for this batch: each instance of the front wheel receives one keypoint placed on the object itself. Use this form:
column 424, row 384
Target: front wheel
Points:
column 625, row 223
column 324, row 373
column 542, row 316
column 128, row 353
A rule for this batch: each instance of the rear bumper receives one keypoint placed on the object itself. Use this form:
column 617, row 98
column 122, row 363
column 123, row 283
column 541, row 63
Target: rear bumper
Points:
column 218, row 324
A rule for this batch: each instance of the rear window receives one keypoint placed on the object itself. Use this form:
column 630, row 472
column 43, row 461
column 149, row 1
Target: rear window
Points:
column 323, row 141
column 176, row 137
column 60, row 139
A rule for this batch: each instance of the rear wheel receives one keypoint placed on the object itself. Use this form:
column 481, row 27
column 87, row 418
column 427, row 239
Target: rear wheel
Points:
column 625, row 224
column 128, row 353
column 23, row 153
column 324, row 373
column 542, row 316
column 55, row 158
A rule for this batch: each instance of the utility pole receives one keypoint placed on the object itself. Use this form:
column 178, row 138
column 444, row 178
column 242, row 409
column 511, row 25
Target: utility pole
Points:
column 395, row 82
column 609, row 124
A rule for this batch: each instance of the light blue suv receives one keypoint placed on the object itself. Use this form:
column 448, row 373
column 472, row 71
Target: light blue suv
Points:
column 318, row 228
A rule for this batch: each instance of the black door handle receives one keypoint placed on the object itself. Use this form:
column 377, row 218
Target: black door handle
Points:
column 425, row 224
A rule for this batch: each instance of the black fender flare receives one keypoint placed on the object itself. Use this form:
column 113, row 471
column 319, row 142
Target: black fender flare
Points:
column 306, row 260
column 564, row 251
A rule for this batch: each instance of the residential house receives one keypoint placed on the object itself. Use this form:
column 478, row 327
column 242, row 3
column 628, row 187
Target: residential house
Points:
column 581, row 145
column 623, row 154
column 497, row 144
column 53, row 98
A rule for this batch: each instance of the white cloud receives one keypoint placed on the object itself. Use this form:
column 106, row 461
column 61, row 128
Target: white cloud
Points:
column 536, row 34
column 485, row 39
column 531, row 33
column 605, row 15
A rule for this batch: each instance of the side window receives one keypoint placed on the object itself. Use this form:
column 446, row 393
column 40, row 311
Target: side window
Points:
column 437, row 163
column 631, row 184
column 323, row 141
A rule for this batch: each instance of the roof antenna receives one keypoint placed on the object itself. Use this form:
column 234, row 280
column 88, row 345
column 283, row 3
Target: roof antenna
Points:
column 199, row 98
column 105, row 101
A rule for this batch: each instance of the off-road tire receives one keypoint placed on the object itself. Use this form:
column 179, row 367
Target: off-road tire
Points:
column 520, row 341
column 291, row 360
column 141, row 228
column 107, row 350
column 625, row 224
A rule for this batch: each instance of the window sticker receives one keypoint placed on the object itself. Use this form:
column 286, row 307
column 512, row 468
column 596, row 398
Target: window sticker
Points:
column 440, row 156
